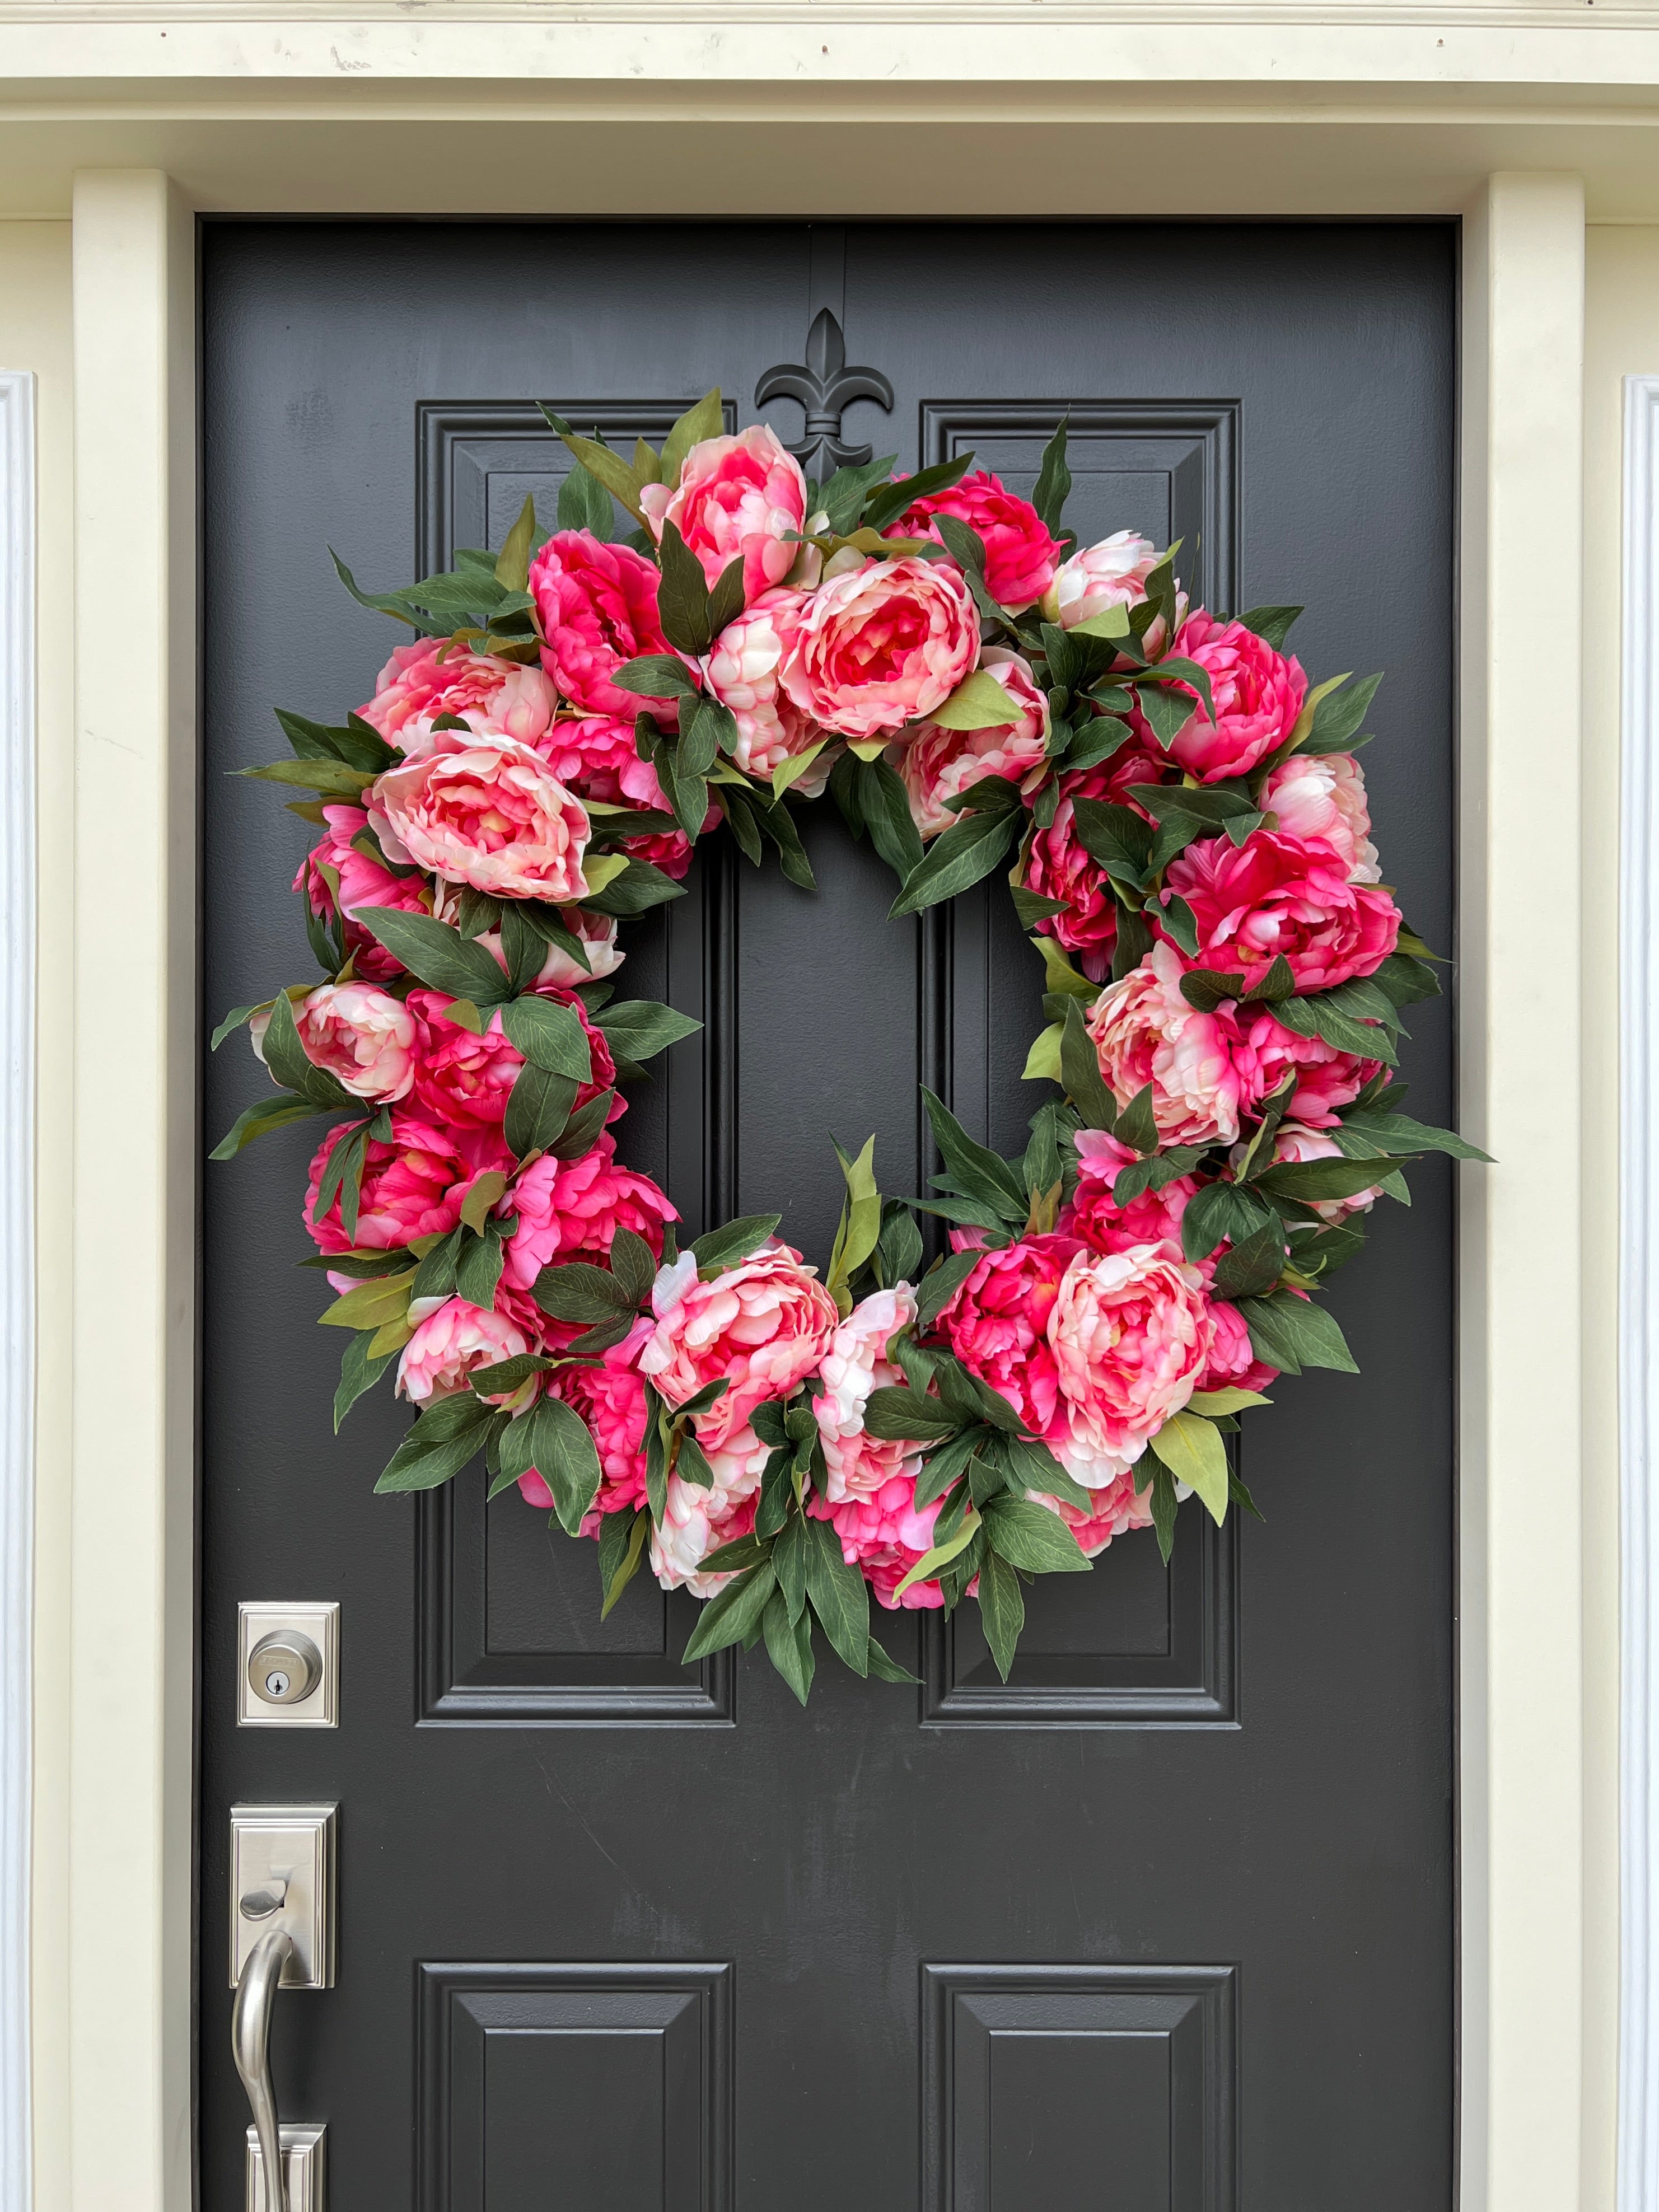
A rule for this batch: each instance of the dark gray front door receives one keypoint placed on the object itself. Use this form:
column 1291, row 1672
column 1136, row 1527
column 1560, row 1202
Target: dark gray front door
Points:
column 1165, row 1923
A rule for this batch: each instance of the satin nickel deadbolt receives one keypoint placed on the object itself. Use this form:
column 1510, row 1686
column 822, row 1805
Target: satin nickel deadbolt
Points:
column 288, row 1658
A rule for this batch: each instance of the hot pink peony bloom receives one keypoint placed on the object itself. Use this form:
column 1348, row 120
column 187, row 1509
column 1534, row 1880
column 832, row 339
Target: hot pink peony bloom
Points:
column 611, row 1399
column 1131, row 1332
column 595, row 756
column 1144, row 1031
column 763, row 1325
column 1113, row 1510
column 997, row 1324
column 742, row 669
column 735, row 495
column 436, row 676
column 883, row 1535
column 452, row 1338
column 937, row 765
column 414, row 1187
column 1019, row 554
column 1322, row 796
column 1233, row 1364
column 336, row 862
column 1275, row 895
column 362, row 1037
column 1095, row 1215
column 571, row 1209
column 855, row 1364
column 1258, row 695
column 1325, row 1078
column 598, row 605
column 1295, row 1142
column 1110, row 574
column 484, row 812
column 463, row 1079
column 1058, row 866
column 882, row 645
column 698, row 1521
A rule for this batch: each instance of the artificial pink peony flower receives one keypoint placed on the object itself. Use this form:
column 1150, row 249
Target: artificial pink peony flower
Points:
column 337, row 862
column 413, row 1186
column 1325, row 1078
column 595, row 756
column 883, row 1534
column 1274, row 894
column 859, row 1464
column 1058, row 866
column 1095, row 1215
column 1113, row 1510
column 1131, row 1332
column 1258, row 695
column 435, row 677
column 611, row 1399
column 362, row 1037
column 571, row 1209
column 937, row 765
column 762, row 1325
column 699, row 1520
column 463, row 1079
column 598, row 605
column 1112, row 574
column 1019, row 553
column 450, row 1339
column 997, row 1323
column 485, row 811
column 1322, row 796
column 735, row 495
column 1144, row 1031
column 1294, row 1142
column 742, row 669
column 882, row 645
column 1232, row 1363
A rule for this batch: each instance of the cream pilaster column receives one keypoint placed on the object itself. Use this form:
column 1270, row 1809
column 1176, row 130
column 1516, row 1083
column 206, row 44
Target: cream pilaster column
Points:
column 1520, row 930
column 133, row 1207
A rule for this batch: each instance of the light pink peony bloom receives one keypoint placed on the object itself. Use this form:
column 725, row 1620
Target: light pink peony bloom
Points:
column 598, row 605
column 1058, row 866
column 1019, row 553
column 735, row 495
column 1095, row 1215
column 937, row 765
column 611, row 1399
column 362, row 1037
column 1112, row 574
column 484, row 811
column 997, row 1324
column 1233, row 1364
column 1131, row 1332
column 697, row 1521
column 363, row 882
column 741, row 668
column 1144, row 1031
column 436, row 676
column 763, row 1325
column 1322, row 796
column 1294, row 1142
column 414, row 1187
column 1274, row 894
column 461, row 1079
column 1325, row 1078
column 883, row 1535
column 452, row 1338
column 1258, row 695
column 882, row 645
column 595, row 756
column 1113, row 1510
column 571, row 1209
column 856, row 1363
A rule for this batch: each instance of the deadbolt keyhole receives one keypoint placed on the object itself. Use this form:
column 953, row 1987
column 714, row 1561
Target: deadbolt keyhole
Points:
column 283, row 1667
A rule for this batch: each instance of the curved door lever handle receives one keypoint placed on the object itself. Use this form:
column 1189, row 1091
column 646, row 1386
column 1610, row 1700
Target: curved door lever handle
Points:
column 250, row 2043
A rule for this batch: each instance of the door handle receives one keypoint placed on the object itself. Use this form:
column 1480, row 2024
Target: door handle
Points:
column 250, row 2042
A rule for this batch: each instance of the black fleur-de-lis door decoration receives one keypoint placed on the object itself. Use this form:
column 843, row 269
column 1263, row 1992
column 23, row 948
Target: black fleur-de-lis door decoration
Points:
column 825, row 388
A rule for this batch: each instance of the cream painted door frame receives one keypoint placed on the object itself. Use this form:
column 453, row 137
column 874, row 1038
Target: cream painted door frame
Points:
column 118, row 2050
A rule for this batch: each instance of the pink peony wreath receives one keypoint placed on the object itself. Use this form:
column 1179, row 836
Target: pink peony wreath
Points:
column 1223, row 976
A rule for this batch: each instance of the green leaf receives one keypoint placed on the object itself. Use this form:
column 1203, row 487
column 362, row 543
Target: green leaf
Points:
column 979, row 703
column 358, row 1373
column 563, row 1453
column 1116, row 836
column 683, row 608
column 607, row 468
column 1167, row 712
column 1164, row 1504
column 478, row 1268
column 575, row 1289
column 706, row 420
column 1292, row 1332
column 885, row 809
column 1033, row 1466
column 1002, row 1605
column 963, row 855
column 885, row 1669
column 638, row 1028
column 861, row 1221
column 437, row 954
column 789, row 1644
column 1271, row 624
column 977, row 1170
column 1206, row 988
column 940, row 1284
column 620, row 1556
column 1311, row 1182
column 1135, row 1124
column 779, row 825
column 585, row 504
column 1031, row 1536
column 1338, row 716
column 840, row 1596
column 789, row 1558
column 1054, row 482
column 1192, row 1448
column 1316, row 1016
column 1227, row 1401
column 725, row 600
column 1189, row 674
column 1079, row 1072
column 634, row 1265
column 549, row 1035
column 1396, row 1131
column 655, row 676
column 445, row 1439
column 538, row 1110
column 513, row 562
column 1253, row 1266
column 928, row 1565
column 891, row 500
column 731, row 1612
column 842, row 498
column 726, row 1247
column 1218, row 1211
column 638, row 888
column 254, row 1120
column 907, row 1417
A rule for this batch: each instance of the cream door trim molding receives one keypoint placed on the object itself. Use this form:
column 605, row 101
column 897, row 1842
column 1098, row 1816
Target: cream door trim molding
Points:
column 1638, row 1324
column 17, row 553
